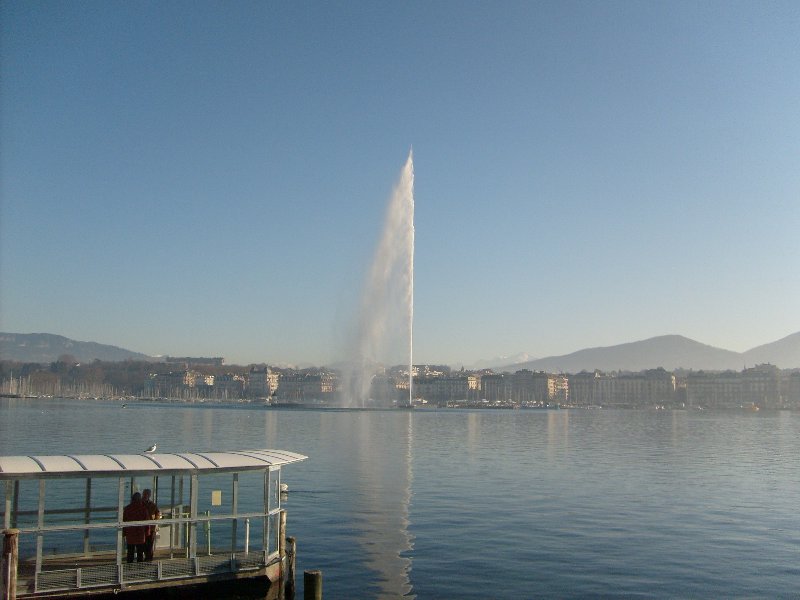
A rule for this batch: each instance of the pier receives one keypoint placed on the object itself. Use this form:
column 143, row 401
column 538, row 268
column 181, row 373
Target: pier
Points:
column 64, row 519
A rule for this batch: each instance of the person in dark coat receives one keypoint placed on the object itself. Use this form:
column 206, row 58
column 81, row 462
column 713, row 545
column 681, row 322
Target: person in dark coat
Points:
column 135, row 535
column 153, row 514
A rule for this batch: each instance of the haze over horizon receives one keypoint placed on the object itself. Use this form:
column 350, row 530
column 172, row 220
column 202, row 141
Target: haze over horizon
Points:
column 211, row 179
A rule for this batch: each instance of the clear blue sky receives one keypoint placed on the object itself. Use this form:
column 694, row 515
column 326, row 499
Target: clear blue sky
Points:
column 210, row 178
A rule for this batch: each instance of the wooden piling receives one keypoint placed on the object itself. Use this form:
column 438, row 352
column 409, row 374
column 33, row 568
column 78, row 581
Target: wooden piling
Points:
column 312, row 585
column 291, row 553
column 282, row 534
column 9, row 564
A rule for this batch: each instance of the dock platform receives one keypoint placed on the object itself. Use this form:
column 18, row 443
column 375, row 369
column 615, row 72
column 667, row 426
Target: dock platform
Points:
column 219, row 519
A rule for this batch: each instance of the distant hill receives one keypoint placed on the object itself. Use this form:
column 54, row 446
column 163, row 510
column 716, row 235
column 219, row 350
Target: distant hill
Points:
column 47, row 348
column 785, row 353
column 671, row 352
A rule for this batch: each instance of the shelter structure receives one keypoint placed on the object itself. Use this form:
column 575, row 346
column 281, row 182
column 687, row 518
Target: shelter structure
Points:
column 63, row 520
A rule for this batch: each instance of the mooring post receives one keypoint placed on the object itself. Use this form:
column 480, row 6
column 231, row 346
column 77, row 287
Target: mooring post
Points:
column 282, row 535
column 312, row 585
column 291, row 553
column 9, row 563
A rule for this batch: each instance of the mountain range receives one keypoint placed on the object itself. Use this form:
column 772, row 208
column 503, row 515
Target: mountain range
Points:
column 47, row 348
column 668, row 351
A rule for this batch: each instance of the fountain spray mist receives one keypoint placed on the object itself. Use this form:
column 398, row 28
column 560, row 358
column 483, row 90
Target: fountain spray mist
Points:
column 386, row 316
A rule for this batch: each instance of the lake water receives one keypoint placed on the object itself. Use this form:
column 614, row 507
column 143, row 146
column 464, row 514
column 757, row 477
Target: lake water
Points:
column 495, row 504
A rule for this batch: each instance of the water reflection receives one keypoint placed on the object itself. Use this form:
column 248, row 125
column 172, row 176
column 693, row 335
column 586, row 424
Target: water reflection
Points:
column 382, row 499
column 557, row 433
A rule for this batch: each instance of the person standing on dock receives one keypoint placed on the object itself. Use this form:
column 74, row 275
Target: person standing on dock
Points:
column 154, row 513
column 136, row 535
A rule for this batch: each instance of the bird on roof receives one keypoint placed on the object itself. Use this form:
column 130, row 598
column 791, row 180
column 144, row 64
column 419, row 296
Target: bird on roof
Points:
column 151, row 449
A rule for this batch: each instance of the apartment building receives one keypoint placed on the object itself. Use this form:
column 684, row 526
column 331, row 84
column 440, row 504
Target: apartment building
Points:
column 761, row 386
column 306, row 388
column 496, row 387
column 654, row 387
column 228, row 387
column 538, row 388
column 258, row 383
column 792, row 387
column 713, row 390
column 443, row 390
column 758, row 386
column 173, row 384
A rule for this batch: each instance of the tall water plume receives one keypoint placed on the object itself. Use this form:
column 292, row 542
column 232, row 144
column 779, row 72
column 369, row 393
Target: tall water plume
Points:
column 384, row 328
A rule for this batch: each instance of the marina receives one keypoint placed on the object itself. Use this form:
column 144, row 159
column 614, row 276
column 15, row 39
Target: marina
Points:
column 65, row 519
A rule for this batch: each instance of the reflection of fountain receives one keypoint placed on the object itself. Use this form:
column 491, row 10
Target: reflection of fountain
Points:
column 385, row 323
column 382, row 500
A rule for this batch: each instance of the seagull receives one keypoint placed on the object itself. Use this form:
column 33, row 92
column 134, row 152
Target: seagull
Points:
column 151, row 449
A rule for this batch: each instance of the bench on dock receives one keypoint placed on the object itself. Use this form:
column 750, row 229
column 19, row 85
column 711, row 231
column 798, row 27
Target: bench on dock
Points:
column 63, row 520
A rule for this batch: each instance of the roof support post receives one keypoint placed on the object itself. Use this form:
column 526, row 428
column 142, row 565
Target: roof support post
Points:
column 173, row 527
column 7, row 506
column 15, row 507
column 193, row 492
column 265, row 529
column 234, row 509
column 87, row 515
column 40, row 533
column 120, row 509
column 183, row 527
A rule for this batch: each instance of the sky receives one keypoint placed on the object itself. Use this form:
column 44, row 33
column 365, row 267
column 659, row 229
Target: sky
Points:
column 210, row 178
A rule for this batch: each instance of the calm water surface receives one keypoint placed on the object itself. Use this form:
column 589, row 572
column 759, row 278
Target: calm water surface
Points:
column 495, row 504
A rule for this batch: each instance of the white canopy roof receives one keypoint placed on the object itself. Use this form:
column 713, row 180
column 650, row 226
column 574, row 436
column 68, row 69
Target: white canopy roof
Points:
column 80, row 465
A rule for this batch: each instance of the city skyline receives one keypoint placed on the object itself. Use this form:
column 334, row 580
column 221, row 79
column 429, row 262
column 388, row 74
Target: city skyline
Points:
column 205, row 179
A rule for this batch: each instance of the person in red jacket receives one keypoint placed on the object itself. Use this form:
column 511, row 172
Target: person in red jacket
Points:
column 136, row 535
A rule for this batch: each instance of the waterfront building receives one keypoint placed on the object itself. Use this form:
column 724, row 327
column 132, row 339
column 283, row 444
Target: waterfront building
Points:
column 174, row 384
column 496, row 387
column 274, row 378
column 792, row 386
column 229, row 387
column 761, row 386
column 538, row 388
column 653, row 387
column 758, row 386
column 302, row 388
column 581, row 388
column 444, row 390
column 258, row 383
column 558, row 388
column 713, row 390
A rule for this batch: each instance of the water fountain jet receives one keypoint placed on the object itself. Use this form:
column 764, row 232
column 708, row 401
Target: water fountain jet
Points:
column 386, row 316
